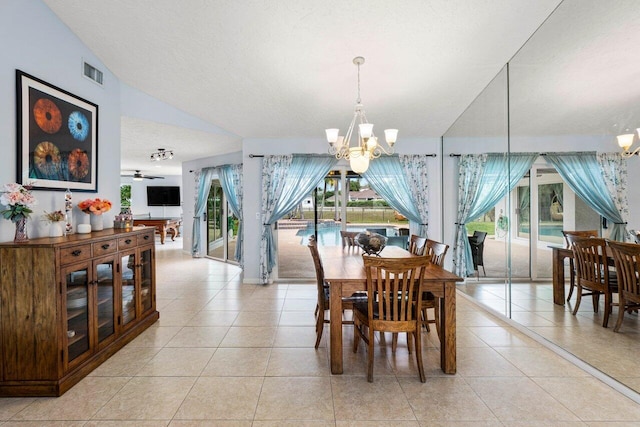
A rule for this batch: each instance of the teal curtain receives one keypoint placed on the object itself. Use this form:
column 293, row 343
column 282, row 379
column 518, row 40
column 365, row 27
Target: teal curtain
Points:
column 286, row 181
column 583, row 174
column 387, row 177
column 231, row 182
column 203, row 184
column 490, row 178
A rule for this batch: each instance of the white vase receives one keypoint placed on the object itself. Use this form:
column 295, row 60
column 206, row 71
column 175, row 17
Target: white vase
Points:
column 97, row 222
column 56, row 229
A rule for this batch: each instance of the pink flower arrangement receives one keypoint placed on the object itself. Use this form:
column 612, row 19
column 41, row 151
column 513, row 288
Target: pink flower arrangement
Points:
column 95, row 206
column 18, row 200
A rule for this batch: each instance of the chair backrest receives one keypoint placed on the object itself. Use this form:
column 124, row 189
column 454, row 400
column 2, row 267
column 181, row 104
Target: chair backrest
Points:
column 591, row 261
column 417, row 244
column 348, row 238
column 627, row 259
column 571, row 236
column 394, row 286
column 317, row 263
column 436, row 252
column 479, row 237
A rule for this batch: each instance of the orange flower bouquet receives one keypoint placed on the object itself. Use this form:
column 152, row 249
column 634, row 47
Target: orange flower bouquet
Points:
column 95, row 206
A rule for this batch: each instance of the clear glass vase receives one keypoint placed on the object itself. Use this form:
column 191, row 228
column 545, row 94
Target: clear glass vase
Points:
column 21, row 231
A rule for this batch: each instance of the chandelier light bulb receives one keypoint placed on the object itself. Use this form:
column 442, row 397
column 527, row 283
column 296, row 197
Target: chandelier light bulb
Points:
column 358, row 161
column 625, row 141
column 390, row 135
column 366, row 129
column 332, row 135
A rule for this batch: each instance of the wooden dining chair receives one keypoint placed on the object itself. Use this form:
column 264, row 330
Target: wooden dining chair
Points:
column 626, row 257
column 322, row 304
column 394, row 286
column 436, row 252
column 417, row 244
column 569, row 238
column 592, row 274
column 348, row 239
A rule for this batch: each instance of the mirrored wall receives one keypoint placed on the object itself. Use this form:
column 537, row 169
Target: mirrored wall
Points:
column 572, row 87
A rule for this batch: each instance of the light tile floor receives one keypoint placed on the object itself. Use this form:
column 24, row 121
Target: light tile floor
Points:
column 228, row 354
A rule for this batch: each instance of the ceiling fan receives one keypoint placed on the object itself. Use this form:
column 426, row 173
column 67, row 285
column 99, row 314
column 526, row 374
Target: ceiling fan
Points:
column 138, row 176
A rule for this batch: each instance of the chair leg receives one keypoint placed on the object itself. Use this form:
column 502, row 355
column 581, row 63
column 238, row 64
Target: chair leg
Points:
column 596, row 301
column 425, row 319
column 370, row 356
column 621, row 305
column 572, row 279
column 578, row 298
column 484, row 271
column 394, row 342
column 356, row 335
column 607, row 309
column 436, row 312
column 319, row 327
column 418, row 341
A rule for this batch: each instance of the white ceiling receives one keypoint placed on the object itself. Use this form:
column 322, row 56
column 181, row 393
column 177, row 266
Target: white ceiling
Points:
column 282, row 69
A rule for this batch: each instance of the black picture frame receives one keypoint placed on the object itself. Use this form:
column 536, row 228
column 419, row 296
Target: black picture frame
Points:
column 57, row 137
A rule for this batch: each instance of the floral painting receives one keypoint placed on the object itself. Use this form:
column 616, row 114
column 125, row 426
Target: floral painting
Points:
column 57, row 137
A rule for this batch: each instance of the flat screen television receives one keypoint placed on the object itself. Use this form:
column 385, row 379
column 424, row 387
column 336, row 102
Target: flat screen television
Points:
column 163, row 195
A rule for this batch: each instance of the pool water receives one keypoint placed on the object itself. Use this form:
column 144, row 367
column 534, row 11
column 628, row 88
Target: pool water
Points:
column 330, row 236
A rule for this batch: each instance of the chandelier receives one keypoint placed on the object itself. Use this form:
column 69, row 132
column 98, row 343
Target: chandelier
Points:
column 625, row 142
column 367, row 146
column 162, row 154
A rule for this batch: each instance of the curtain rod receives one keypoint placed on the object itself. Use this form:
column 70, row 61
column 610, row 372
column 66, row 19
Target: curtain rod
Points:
column 458, row 155
column 255, row 155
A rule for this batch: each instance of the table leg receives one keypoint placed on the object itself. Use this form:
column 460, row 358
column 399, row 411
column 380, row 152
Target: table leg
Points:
column 335, row 327
column 163, row 234
column 558, row 277
column 448, row 329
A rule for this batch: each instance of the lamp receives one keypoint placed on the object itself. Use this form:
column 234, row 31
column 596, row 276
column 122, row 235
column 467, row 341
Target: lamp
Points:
column 162, row 154
column 367, row 146
column 625, row 141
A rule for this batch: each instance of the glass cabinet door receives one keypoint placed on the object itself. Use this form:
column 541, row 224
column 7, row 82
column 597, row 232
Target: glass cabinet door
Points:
column 77, row 303
column 128, row 290
column 104, row 271
column 146, row 275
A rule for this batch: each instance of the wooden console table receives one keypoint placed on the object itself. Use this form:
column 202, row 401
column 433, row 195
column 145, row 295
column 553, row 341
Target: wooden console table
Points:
column 162, row 225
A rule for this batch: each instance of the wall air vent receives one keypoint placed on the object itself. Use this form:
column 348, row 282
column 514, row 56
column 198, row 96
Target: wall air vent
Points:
column 92, row 73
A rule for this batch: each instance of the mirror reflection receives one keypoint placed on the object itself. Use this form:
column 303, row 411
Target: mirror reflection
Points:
column 573, row 87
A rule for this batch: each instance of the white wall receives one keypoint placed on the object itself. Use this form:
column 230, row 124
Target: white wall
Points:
column 33, row 40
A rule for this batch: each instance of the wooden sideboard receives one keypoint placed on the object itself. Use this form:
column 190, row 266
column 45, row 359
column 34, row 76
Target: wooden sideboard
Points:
column 69, row 303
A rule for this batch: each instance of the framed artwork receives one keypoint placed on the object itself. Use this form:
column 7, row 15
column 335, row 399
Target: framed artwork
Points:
column 57, row 137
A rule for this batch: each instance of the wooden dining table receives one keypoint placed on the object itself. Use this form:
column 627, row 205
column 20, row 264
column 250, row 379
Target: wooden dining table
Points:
column 344, row 272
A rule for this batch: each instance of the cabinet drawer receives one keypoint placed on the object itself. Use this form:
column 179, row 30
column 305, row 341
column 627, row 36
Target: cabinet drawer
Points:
column 105, row 247
column 77, row 253
column 145, row 238
column 127, row 242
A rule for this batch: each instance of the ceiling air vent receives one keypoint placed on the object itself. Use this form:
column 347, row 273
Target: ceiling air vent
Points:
column 92, row 73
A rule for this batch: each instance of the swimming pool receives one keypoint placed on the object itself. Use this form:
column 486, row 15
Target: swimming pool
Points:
column 330, row 236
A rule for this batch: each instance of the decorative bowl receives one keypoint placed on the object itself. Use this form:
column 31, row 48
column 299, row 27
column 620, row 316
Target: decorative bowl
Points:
column 371, row 243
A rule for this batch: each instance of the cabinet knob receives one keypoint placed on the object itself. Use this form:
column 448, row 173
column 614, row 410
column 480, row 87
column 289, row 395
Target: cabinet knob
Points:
column 146, row 237
column 106, row 246
column 127, row 241
column 76, row 252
